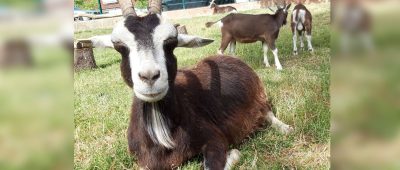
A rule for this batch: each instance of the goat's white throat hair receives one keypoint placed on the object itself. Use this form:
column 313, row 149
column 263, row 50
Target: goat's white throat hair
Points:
column 157, row 127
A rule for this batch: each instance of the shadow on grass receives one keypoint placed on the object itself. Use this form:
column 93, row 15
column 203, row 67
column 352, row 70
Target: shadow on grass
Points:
column 105, row 65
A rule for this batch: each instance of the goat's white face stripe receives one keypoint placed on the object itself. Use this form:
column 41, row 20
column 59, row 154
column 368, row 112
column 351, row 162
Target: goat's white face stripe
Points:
column 146, row 58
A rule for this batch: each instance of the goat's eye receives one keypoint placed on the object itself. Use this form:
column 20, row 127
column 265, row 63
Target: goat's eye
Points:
column 120, row 47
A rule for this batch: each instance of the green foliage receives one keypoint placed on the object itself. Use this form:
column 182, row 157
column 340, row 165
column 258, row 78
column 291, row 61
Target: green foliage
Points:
column 94, row 5
column 141, row 4
column 87, row 4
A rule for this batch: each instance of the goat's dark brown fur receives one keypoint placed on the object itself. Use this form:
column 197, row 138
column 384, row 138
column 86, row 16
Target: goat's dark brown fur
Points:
column 216, row 104
column 206, row 113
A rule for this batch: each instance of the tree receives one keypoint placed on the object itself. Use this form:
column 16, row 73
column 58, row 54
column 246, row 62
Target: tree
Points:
column 86, row 4
column 93, row 4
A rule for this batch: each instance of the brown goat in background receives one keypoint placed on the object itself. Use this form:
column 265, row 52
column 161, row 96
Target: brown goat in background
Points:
column 247, row 28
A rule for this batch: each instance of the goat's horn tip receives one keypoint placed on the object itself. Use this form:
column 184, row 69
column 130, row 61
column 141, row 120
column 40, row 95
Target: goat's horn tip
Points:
column 208, row 41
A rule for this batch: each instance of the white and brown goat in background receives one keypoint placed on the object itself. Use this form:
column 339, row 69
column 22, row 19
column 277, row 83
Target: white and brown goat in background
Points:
column 221, row 9
column 180, row 113
column 301, row 26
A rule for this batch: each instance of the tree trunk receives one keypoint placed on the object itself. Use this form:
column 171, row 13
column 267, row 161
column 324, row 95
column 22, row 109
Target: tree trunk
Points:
column 182, row 29
column 83, row 56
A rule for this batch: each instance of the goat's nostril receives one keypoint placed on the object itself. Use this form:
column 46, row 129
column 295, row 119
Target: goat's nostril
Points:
column 156, row 76
column 143, row 76
column 149, row 77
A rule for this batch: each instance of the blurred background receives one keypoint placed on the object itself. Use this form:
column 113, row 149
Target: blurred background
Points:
column 365, row 84
column 36, row 84
column 36, row 89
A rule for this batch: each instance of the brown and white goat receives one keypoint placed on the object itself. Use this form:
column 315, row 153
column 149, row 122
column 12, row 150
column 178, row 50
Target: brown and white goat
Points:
column 247, row 28
column 301, row 25
column 177, row 114
column 221, row 9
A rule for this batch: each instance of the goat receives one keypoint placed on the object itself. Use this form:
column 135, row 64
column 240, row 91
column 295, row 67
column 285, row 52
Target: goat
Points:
column 247, row 28
column 220, row 10
column 177, row 114
column 301, row 23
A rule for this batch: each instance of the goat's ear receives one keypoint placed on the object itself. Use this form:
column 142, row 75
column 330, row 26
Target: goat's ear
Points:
column 191, row 41
column 102, row 41
column 287, row 7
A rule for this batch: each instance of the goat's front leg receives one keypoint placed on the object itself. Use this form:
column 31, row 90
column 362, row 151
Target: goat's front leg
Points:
column 232, row 47
column 277, row 63
column 215, row 155
column 265, row 49
column 232, row 159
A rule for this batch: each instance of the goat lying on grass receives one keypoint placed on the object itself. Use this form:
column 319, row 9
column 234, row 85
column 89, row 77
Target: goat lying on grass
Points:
column 247, row 28
column 177, row 114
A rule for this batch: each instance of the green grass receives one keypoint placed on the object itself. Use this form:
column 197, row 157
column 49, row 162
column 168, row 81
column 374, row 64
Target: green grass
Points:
column 300, row 95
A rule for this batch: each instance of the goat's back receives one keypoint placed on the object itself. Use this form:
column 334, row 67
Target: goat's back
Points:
column 299, row 7
column 248, row 26
column 227, row 93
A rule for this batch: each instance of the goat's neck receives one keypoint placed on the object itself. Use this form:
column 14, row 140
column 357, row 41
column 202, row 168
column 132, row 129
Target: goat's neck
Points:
column 167, row 106
column 159, row 120
column 279, row 18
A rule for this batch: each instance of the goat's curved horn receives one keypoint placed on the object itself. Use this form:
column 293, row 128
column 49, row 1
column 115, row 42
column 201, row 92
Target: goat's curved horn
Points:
column 155, row 6
column 278, row 5
column 127, row 7
column 271, row 9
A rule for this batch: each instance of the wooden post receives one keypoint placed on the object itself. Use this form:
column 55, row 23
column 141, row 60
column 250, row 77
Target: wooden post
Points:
column 83, row 55
column 181, row 28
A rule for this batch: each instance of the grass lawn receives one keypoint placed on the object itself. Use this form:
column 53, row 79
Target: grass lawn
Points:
column 299, row 93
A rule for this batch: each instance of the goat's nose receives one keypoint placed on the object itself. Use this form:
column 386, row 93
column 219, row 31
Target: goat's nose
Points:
column 149, row 76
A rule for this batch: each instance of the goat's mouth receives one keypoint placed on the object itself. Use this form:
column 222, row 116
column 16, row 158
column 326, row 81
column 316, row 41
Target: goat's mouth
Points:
column 151, row 97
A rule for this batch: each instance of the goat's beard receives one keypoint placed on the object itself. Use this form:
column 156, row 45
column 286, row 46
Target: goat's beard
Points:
column 157, row 125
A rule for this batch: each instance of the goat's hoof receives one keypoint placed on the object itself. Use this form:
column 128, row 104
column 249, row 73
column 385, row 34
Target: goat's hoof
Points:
column 311, row 50
column 295, row 53
column 234, row 154
column 267, row 65
column 279, row 68
column 286, row 129
column 233, row 158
